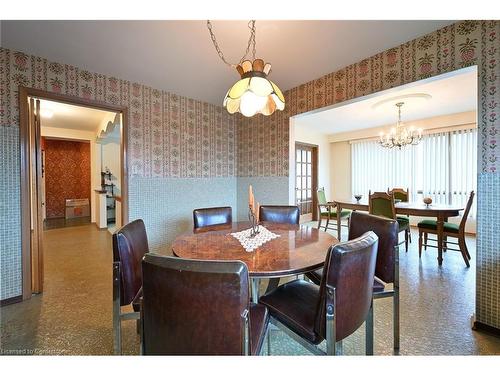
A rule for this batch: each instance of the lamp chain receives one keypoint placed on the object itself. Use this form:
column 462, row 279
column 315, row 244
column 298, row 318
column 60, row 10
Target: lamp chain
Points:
column 251, row 42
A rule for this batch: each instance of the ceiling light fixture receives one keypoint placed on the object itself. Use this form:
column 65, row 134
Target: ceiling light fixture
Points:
column 253, row 93
column 46, row 113
column 400, row 136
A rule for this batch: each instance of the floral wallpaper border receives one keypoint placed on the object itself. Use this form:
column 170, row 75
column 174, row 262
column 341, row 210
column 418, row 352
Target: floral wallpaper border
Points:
column 263, row 142
column 169, row 135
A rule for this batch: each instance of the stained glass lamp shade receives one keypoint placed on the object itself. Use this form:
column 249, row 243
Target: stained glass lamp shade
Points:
column 254, row 93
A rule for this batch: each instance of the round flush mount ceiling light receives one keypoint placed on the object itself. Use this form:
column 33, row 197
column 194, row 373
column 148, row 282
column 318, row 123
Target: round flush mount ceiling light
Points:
column 46, row 113
column 410, row 100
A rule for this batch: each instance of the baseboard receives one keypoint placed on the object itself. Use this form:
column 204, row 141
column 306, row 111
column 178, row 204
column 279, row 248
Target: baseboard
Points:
column 482, row 327
column 11, row 300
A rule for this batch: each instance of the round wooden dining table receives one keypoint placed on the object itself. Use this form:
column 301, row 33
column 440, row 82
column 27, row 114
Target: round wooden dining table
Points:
column 297, row 250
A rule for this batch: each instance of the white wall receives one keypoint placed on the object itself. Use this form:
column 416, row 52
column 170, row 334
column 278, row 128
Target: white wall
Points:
column 302, row 134
column 95, row 157
column 340, row 170
column 111, row 158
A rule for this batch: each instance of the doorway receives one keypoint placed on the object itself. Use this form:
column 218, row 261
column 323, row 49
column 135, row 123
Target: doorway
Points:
column 306, row 180
column 64, row 177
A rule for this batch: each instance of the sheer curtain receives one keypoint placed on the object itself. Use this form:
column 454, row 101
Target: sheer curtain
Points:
column 443, row 166
column 376, row 168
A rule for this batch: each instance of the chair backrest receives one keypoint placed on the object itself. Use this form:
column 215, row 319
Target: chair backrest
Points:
column 206, row 217
column 466, row 212
column 401, row 194
column 280, row 214
column 381, row 204
column 130, row 243
column 387, row 233
column 321, row 196
column 349, row 268
column 193, row 306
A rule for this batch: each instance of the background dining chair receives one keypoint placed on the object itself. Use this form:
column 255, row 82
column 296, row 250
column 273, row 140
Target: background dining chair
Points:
column 382, row 204
column 199, row 307
column 309, row 313
column 401, row 195
column 426, row 227
column 386, row 270
column 279, row 214
column 211, row 218
column 328, row 211
column 130, row 243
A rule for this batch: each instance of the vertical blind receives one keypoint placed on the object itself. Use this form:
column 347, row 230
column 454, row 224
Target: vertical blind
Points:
column 442, row 166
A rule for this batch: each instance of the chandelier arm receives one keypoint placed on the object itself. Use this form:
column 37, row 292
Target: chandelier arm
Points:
column 251, row 41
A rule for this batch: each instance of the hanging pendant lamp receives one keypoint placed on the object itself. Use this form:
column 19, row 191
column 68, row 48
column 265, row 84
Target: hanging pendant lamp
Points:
column 254, row 93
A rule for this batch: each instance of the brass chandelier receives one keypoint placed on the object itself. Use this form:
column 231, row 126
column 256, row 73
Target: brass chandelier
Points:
column 254, row 92
column 400, row 135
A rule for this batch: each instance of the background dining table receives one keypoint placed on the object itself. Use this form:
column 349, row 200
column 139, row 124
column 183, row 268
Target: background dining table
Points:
column 297, row 250
column 440, row 211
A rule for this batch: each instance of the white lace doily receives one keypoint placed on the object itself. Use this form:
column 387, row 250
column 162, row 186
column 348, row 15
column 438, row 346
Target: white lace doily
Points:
column 252, row 243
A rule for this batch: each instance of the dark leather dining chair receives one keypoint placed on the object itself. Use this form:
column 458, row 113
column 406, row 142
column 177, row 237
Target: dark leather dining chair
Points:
column 211, row 218
column 386, row 270
column 130, row 243
column 279, row 214
column 331, row 311
column 199, row 307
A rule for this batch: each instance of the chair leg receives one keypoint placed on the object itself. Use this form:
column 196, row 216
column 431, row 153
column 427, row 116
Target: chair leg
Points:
column 466, row 250
column 117, row 335
column 463, row 246
column 327, row 222
column 268, row 341
column 445, row 245
column 369, row 331
column 420, row 243
column 406, row 240
column 425, row 241
column 395, row 315
column 319, row 220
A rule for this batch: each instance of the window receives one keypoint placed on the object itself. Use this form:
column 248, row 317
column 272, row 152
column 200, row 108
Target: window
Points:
column 443, row 166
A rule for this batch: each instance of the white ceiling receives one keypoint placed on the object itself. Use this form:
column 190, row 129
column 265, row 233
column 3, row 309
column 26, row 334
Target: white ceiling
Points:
column 451, row 93
column 67, row 116
column 178, row 56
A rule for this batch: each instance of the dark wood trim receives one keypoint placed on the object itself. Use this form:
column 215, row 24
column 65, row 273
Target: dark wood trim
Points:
column 24, row 142
column 24, row 146
column 315, row 167
column 11, row 300
column 478, row 326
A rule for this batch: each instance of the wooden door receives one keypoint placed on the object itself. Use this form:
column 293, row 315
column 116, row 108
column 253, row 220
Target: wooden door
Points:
column 35, row 166
column 306, row 180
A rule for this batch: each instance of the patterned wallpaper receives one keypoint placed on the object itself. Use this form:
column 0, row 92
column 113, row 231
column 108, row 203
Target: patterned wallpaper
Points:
column 67, row 174
column 173, row 136
column 263, row 141
column 169, row 135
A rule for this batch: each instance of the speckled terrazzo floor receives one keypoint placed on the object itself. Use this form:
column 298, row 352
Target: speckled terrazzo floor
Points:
column 73, row 316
